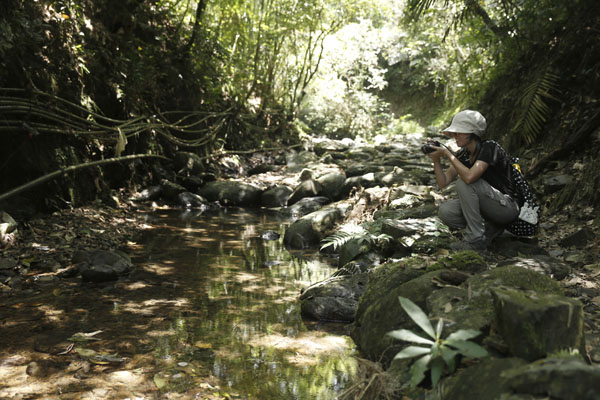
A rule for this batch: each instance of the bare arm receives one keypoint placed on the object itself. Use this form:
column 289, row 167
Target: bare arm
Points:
column 457, row 168
column 443, row 178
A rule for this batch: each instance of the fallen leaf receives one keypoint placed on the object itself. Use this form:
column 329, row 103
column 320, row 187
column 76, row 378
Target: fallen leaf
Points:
column 447, row 307
column 83, row 337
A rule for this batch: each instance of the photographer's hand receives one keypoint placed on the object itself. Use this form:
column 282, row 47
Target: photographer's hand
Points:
column 438, row 153
column 442, row 178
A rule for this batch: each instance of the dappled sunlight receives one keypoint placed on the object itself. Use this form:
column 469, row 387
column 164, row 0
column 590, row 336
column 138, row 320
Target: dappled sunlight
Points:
column 222, row 309
column 158, row 269
column 313, row 344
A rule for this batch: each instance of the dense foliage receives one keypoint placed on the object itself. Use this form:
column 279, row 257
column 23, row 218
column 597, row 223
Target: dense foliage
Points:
column 263, row 70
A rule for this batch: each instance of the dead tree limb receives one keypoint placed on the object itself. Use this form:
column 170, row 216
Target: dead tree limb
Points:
column 72, row 168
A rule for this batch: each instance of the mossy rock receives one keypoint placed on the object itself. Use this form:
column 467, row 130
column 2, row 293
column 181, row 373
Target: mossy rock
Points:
column 563, row 378
column 386, row 277
column 513, row 277
column 380, row 313
column 535, row 324
column 466, row 261
column 471, row 306
column 483, row 380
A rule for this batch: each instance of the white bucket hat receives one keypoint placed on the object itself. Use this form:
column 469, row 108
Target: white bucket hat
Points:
column 467, row 121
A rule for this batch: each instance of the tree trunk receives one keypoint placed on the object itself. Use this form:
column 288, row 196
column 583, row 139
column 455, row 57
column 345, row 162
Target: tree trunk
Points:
column 196, row 29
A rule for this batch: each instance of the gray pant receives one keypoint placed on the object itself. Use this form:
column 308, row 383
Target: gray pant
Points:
column 481, row 208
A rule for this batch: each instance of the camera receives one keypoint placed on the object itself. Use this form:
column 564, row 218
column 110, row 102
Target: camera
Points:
column 426, row 148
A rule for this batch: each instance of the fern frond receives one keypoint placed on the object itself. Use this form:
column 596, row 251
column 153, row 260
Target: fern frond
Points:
column 535, row 109
column 337, row 240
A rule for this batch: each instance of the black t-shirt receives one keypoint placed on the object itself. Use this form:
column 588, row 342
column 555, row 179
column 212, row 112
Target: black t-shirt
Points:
column 498, row 173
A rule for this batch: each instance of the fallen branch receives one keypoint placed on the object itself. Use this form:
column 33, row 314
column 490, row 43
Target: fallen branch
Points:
column 64, row 171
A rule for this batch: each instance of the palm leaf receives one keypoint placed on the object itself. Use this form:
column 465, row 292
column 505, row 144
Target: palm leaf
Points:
column 534, row 107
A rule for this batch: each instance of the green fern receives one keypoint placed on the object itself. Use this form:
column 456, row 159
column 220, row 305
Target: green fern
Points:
column 535, row 109
column 350, row 232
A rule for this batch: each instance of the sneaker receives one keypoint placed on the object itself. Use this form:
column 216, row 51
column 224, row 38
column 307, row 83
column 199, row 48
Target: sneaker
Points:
column 477, row 245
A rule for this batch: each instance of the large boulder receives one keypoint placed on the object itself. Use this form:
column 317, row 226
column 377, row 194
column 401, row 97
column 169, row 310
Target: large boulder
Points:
column 535, row 324
column 305, row 206
column 544, row 264
column 334, row 299
column 311, row 229
column 308, row 188
column 101, row 265
column 561, row 378
column 484, row 380
column 363, row 181
column 380, row 312
column 231, row 193
column 327, row 145
column 332, row 184
column 469, row 306
column 170, row 190
column 277, row 196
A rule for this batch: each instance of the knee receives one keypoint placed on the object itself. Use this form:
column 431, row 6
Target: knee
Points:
column 446, row 213
column 461, row 186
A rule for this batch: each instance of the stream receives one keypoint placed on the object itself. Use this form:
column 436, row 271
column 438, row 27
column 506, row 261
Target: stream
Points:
column 239, row 318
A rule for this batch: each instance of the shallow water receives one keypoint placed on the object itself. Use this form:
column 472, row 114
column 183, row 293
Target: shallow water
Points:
column 240, row 315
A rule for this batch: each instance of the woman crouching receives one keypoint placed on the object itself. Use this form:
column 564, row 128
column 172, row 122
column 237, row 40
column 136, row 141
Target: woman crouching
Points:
column 486, row 192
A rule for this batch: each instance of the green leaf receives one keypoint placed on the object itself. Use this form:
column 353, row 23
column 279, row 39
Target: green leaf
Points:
column 417, row 371
column 411, row 351
column 435, row 350
column 449, row 355
column 409, row 336
column 439, row 328
column 468, row 349
column 437, row 366
column 463, row 334
column 417, row 315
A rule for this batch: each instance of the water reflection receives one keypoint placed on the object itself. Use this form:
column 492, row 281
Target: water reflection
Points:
column 245, row 326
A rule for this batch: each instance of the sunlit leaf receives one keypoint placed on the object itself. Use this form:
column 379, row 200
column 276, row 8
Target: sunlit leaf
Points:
column 86, row 353
column 411, row 351
column 439, row 328
column 463, row 334
column 408, row 336
column 84, row 337
column 417, row 315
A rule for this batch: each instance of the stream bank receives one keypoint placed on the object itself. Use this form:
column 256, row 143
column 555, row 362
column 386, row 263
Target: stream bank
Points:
column 385, row 189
